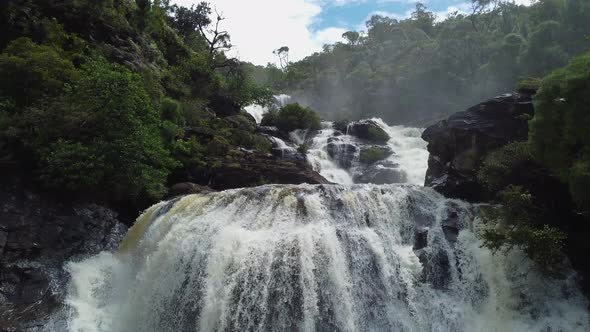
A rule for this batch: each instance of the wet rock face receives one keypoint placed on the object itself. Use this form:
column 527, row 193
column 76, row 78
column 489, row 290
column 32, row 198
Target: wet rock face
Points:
column 366, row 130
column 458, row 144
column 256, row 169
column 342, row 152
column 38, row 234
column 383, row 172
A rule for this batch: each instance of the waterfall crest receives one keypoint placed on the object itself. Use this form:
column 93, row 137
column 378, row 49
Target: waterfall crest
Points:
column 316, row 258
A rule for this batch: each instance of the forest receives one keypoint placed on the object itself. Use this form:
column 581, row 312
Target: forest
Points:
column 420, row 69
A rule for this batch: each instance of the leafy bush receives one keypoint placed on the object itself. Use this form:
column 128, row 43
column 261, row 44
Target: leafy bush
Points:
column 374, row 154
column 293, row 117
column 513, row 225
column 104, row 135
column 506, row 165
column 29, row 72
column 559, row 131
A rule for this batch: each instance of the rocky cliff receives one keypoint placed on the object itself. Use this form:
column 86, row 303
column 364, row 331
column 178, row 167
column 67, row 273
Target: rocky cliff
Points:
column 458, row 144
column 39, row 232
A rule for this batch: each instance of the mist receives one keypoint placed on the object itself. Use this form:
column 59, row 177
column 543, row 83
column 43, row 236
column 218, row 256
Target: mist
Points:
column 421, row 69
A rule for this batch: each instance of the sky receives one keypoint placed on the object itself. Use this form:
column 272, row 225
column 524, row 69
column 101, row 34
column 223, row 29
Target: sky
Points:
column 257, row 27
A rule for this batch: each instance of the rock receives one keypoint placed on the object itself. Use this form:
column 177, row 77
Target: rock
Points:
column 458, row 144
column 373, row 154
column 436, row 267
column 223, row 106
column 39, row 232
column 367, row 130
column 383, row 172
column 420, row 239
column 342, row 152
column 187, row 188
column 273, row 132
column 256, row 169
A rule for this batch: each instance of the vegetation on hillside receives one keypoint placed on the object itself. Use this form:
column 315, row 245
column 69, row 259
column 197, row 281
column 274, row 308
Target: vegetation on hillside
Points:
column 525, row 174
column 420, row 69
column 115, row 97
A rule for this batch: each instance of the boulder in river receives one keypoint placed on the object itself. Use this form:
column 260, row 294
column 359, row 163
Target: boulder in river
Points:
column 367, row 130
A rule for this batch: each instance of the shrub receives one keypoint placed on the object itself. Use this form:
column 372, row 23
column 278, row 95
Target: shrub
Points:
column 29, row 72
column 559, row 131
column 293, row 117
column 513, row 225
column 506, row 165
column 104, row 135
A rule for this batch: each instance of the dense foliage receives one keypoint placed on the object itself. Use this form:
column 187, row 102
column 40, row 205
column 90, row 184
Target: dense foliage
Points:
column 523, row 219
column 420, row 69
column 115, row 97
column 515, row 224
column 560, row 133
column 292, row 117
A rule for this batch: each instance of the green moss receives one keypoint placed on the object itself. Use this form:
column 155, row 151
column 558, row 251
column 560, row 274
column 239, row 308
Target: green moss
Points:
column 303, row 148
column 529, row 84
column 377, row 135
column 374, row 154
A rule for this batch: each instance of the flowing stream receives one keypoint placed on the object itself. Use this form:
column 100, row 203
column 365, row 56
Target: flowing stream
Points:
column 343, row 257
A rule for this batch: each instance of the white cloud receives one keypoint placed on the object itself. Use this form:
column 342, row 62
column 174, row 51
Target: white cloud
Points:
column 257, row 27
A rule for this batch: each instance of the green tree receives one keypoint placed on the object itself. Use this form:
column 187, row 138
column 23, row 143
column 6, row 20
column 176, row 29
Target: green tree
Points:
column 104, row 136
column 559, row 131
column 30, row 72
column 293, row 117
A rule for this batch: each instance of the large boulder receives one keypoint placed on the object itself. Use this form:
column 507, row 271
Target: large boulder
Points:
column 255, row 169
column 39, row 233
column 383, row 172
column 342, row 151
column 458, row 144
column 367, row 130
column 224, row 106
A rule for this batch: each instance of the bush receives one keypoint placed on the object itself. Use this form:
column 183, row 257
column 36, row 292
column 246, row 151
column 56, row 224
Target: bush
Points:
column 29, row 72
column 293, row 117
column 374, row 154
column 104, row 135
column 506, row 165
column 513, row 225
column 559, row 131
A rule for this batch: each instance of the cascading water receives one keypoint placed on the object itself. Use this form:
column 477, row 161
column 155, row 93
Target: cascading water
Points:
column 346, row 257
column 319, row 159
column 324, row 258
column 409, row 149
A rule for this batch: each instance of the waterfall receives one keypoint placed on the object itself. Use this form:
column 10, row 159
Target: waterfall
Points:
column 342, row 257
column 410, row 155
column 316, row 258
column 319, row 159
